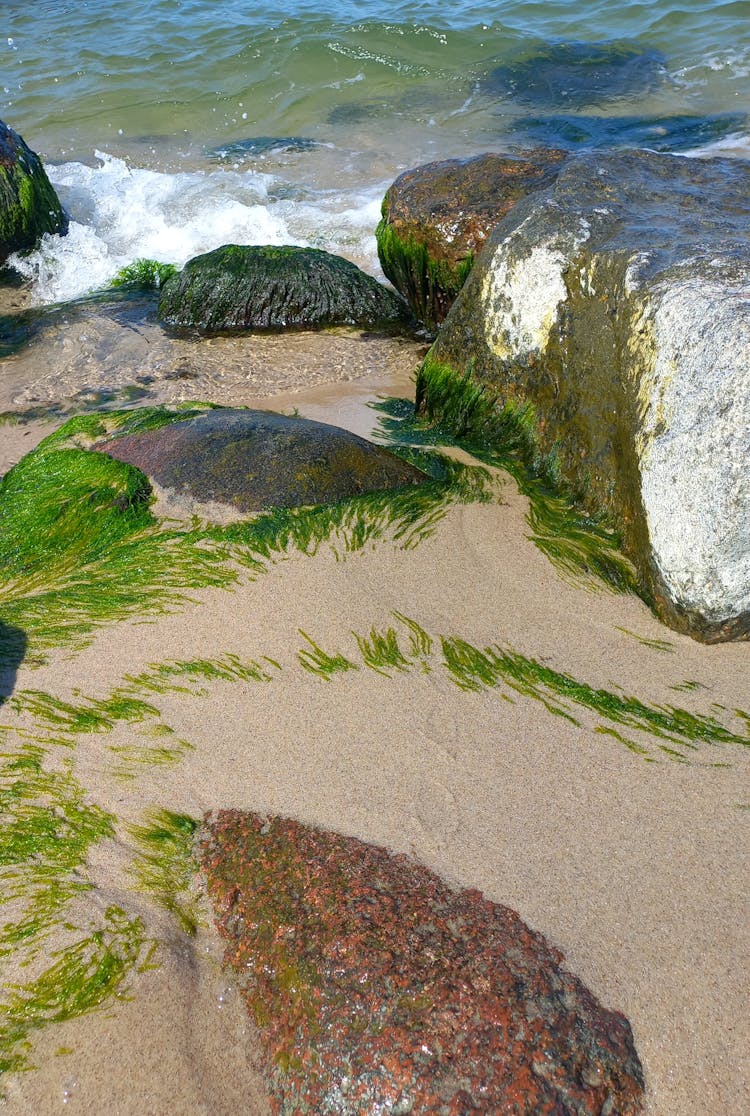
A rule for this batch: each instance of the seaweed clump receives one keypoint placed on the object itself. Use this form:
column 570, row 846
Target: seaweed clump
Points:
column 454, row 409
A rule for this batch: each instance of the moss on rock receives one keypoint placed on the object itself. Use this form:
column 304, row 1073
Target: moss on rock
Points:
column 437, row 217
column 265, row 287
column 29, row 207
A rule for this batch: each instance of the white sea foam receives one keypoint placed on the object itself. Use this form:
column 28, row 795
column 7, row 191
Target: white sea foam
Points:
column 734, row 146
column 120, row 213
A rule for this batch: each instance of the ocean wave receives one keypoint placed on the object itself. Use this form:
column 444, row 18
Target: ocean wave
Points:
column 120, row 213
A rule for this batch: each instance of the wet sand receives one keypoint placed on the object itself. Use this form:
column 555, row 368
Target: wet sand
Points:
column 636, row 870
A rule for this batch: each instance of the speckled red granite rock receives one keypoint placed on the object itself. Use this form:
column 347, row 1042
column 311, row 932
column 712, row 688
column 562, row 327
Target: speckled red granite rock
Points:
column 380, row 990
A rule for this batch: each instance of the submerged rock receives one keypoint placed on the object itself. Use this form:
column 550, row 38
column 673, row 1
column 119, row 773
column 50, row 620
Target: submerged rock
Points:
column 29, row 207
column 437, row 217
column 263, row 145
column 578, row 74
column 617, row 303
column 237, row 287
column 679, row 132
column 224, row 464
column 378, row 988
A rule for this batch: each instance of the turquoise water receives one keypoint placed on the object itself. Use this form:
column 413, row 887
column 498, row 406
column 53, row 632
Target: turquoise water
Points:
column 155, row 116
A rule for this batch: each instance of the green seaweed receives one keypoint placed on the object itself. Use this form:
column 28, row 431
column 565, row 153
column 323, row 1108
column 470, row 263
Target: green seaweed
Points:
column 474, row 669
column 645, row 641
column 420, row 643
column 429, row 285
column 83, row 977
column 380, row 651
column 164, row 866
column 47, row 831
column 453, row 409
column 91, row 716
column 317, row 661
column 144, row 275
column 181, row 676
column 79, row 546
column 131, row 758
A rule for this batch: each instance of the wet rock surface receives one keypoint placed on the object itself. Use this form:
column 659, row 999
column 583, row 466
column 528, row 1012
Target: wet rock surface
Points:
column 377, row 988
column 29, row 206
column 225, row 463
column 437, row 217
column 237, row 287
column 578, row 74
column 616, row 303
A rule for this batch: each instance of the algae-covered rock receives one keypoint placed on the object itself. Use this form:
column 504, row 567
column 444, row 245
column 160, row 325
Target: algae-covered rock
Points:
column 29, row 207
column 240, row 287
column 577, row 74
column 378, row 988
column 617, row 304
column 437, row 217
column 224, row 464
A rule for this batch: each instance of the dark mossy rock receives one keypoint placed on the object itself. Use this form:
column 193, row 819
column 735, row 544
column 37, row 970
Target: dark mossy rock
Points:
column 615, row 305
column 578, row 74
column 679, row 132
column 29, row 207
column 239, row 287
column 224, row 464
column 378, row 988
column 437, row 217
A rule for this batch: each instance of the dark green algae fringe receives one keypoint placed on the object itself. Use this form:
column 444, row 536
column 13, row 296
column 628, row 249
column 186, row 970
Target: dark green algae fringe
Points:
column 452, row 409
column 429, row 285
column 79, row 546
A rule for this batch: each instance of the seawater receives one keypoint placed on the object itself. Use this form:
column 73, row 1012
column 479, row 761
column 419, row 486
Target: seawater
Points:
column 169, row 127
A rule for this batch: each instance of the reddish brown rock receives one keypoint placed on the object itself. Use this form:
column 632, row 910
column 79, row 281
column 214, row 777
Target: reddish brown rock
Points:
column 377, row 988
column 437, row 217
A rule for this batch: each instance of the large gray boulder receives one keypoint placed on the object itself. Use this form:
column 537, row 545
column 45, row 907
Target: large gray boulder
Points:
column 617, row 303
column 29, row 207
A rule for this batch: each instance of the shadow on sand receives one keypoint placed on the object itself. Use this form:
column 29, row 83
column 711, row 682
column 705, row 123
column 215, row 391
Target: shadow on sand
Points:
column 12, row 651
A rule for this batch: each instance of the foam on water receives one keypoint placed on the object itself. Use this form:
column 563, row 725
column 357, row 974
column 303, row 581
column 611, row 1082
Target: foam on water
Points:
column 120, row 213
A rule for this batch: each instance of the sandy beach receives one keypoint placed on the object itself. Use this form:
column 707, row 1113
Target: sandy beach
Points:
column 630, row 860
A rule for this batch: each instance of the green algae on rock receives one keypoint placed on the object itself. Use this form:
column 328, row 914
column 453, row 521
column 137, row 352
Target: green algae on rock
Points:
column 81, row 547
column 231, row 463
column 377, row 987
column 436, row 218
column 457, row 409
column 239, row 287
column 593, row 304
column 29, row 206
